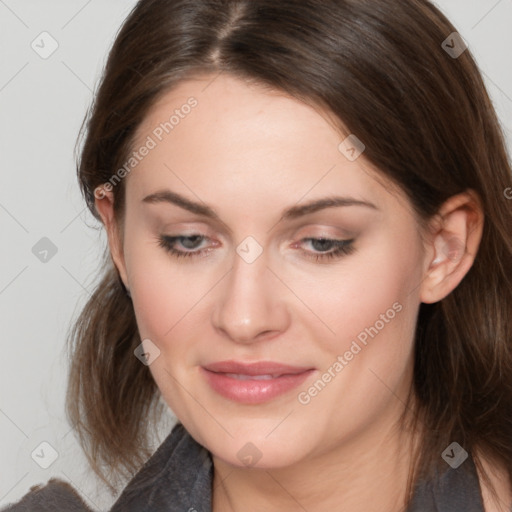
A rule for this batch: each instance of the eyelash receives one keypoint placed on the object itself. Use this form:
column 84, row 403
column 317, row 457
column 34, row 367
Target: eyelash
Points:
column 342, row 248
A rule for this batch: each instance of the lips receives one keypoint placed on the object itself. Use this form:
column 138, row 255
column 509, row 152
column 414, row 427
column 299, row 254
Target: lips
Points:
column 260, row 368
column 253, row 383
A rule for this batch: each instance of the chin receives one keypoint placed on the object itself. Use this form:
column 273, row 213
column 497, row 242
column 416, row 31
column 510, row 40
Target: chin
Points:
column 259, row 451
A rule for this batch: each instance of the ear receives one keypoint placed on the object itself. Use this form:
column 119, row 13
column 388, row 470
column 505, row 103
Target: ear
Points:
column 454, row 238
column 104, row 202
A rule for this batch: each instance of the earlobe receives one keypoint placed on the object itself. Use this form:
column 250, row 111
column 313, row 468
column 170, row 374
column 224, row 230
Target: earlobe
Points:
column 104, row 202
column 456, row 235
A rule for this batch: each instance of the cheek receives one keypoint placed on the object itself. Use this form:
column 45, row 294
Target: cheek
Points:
column 374, row 319
column 163, row 291
column 154, row 306
column 367, row 364
column 373, row 290
column 167, row 303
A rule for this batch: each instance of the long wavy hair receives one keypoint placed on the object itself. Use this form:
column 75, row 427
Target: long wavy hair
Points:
column 427, row 123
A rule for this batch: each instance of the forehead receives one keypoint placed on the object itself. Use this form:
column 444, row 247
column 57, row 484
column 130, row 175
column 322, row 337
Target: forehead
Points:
column 226, row 105
column 219, row 135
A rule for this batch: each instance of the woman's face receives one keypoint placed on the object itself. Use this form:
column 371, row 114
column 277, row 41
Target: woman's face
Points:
column 255, row 288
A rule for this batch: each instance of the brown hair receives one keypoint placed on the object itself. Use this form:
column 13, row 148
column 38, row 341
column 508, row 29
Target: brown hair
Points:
column 427, row 123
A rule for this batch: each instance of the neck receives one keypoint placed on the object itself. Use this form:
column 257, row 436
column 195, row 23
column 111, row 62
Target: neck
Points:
column 371, row 472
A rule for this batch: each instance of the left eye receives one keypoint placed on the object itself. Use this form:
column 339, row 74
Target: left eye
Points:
column 191, row 242
column 341, row 248
column 168, row 243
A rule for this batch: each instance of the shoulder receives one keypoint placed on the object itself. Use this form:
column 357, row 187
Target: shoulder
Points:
column 55, row 495
column 498, row 476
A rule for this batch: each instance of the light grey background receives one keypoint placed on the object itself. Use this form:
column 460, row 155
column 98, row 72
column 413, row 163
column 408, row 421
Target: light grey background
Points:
column 42, row 104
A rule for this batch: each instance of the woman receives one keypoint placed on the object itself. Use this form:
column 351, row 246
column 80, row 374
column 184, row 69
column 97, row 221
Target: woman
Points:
column 310, row 262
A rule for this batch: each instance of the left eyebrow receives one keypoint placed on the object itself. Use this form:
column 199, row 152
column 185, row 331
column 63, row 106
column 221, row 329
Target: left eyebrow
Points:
column 320, row 204
column 293, row 212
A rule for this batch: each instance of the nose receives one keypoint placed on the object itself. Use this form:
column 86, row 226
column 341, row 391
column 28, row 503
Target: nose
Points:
column 251, row 305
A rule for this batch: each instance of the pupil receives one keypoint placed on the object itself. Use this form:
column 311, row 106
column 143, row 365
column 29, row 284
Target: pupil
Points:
column 193, row 239
column 321, row 243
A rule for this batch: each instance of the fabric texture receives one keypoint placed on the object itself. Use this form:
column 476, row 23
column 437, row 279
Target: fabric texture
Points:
column 178, row 478
column 55, row 496
column 456, row 490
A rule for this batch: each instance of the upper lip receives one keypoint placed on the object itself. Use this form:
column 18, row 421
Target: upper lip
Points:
column 257, row 368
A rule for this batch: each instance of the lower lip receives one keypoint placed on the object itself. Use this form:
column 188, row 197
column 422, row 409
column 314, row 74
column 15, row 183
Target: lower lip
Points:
column 253, row 391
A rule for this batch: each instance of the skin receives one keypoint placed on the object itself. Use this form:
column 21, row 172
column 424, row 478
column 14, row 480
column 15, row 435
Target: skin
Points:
column 249, row 153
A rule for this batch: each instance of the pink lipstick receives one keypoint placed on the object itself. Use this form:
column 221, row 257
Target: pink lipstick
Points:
column 253, row 383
